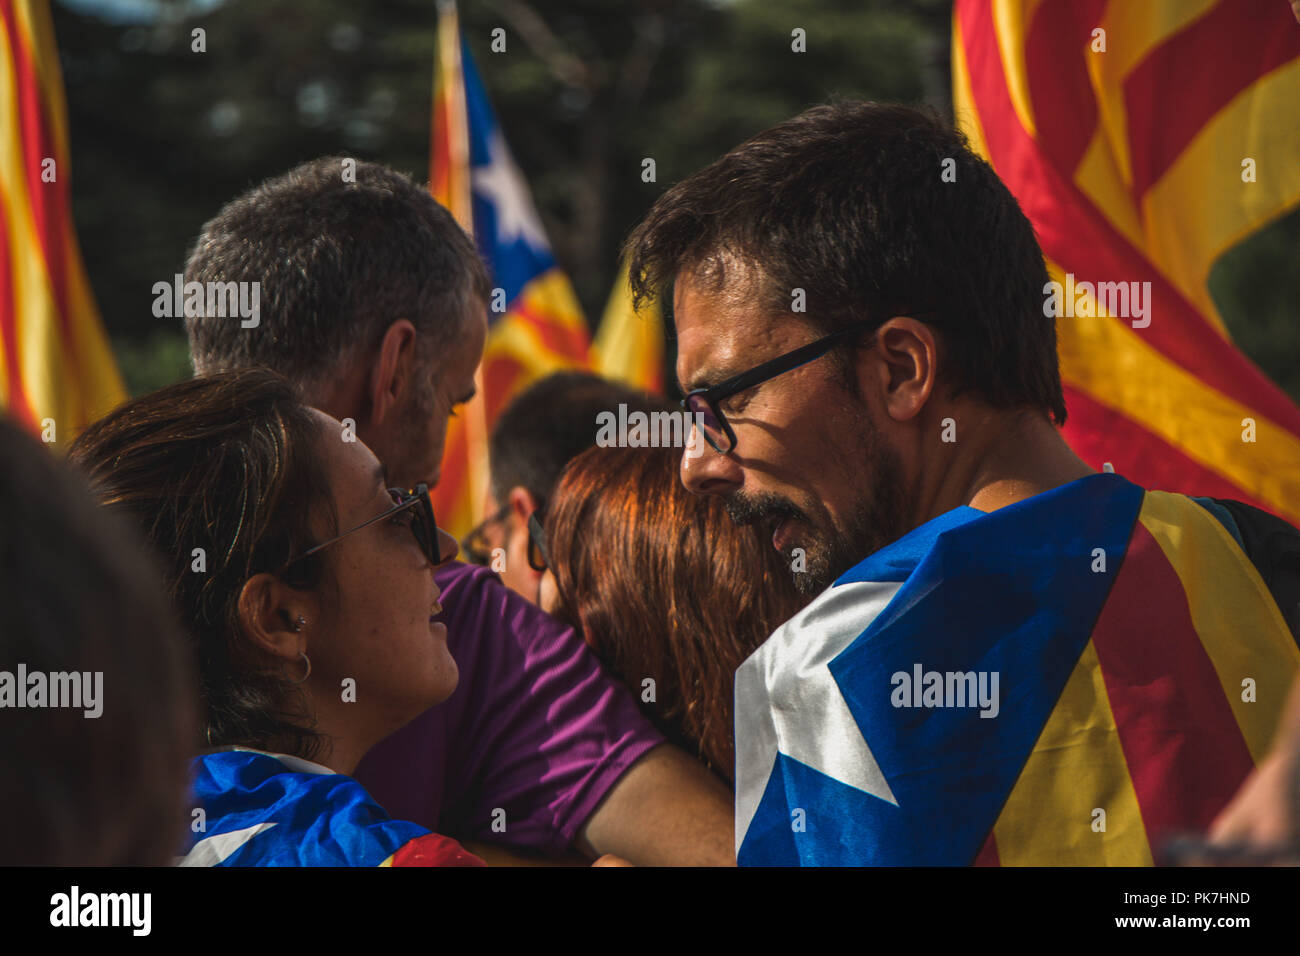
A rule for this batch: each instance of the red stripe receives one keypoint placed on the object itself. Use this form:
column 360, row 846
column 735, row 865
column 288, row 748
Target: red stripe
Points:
column 561, row 339
column 49, row 201
column 1057, row 45
column 1073, row 232
column 988, row 854
column 452, row 478
column 502, row 375
column 1099, row 434
column 1201, row 69
column 1185, row 753
column 18, row 405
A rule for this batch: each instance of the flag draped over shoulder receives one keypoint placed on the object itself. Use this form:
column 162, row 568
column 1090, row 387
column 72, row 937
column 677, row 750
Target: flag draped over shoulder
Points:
column 55, row 362
column 1143, row 139
column 1060, row 681
column 264, row 809
column 536, row 325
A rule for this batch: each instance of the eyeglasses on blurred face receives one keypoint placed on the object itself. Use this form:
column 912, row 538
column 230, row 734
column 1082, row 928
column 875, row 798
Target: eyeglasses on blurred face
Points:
column 477, row 547
column 539, row 559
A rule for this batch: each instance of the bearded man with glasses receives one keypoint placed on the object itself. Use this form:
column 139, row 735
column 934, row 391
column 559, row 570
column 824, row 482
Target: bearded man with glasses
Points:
column 1001, row 641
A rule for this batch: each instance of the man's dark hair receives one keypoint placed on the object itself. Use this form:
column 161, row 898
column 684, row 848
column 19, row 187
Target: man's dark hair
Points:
column 848, row 202
column 550, row 423
column 338, row 262
column 79, row 595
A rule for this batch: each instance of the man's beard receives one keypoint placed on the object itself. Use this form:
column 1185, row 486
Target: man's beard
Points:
column 879, row 517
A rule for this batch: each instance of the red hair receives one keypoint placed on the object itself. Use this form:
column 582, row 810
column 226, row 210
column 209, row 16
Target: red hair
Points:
column 663, row 585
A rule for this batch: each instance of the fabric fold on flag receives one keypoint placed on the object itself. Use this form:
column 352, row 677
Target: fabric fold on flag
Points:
column 1058, row 682
column 1144, row 140
column 535, row 323
column 56, row 367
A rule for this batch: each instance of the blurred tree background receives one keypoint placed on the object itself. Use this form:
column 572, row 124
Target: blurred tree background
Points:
column 162, row 136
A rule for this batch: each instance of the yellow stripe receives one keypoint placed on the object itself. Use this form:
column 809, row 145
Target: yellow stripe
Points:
column 1011, row 20
column 550, row 295
column 520, row 341
column 1200, row 207
column 1133, row 31
column 73, row 383
column 35, row 317
column 99, row 382
column 1235, row 617
column 36, row 30
column 450, row 84
column 963, row 100
column 1077, row 766
column 629, row 343
column 1114, row 365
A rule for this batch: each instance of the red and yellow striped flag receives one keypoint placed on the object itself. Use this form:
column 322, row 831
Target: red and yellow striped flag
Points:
column 55, row 363
column 535, row 323
column 1143, row 139
column 629, row 344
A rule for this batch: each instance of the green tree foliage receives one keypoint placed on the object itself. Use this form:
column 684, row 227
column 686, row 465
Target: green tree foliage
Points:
column 586, row 90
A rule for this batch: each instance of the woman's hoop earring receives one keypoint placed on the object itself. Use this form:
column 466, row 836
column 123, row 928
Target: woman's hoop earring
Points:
column 307, row 660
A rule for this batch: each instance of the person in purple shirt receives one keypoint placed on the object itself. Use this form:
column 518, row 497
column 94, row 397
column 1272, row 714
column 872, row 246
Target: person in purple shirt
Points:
column 373, row 303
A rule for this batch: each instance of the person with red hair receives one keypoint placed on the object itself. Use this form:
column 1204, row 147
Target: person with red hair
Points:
column 667, row 590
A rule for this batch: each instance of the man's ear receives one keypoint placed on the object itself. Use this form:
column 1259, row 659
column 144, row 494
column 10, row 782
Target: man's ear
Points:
column 392, row 376
column 276, row 618
column 902, row 367
column 522, row 504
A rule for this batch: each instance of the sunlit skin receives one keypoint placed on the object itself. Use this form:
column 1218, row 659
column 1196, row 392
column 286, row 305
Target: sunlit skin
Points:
column 370, row 620
column 379, row 395
column 510, row 534
column 837, row 475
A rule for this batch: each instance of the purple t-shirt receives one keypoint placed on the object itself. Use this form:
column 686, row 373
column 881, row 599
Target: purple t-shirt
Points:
column 536, row 727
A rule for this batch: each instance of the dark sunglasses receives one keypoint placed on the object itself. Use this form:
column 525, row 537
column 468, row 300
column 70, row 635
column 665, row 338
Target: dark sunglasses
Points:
column 475, row 544
column 703, row 404
column 413, row 508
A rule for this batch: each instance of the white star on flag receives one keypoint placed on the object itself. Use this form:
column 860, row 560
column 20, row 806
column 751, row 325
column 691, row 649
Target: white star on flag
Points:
column 502, row 184
column 787, row 700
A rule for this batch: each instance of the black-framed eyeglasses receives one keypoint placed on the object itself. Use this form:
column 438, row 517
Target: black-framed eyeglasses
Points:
column 539, row 559
column 414, row 507
column 703, row 404
column 476, row 546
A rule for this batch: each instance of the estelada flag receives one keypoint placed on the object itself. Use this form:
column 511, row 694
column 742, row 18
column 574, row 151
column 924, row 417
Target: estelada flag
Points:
column 535, row 324
column 1072, row 679
column 1143, row 139
column 56, row 369
column 629, row 344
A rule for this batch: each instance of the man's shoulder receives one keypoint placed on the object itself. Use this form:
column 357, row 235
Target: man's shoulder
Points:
column 476, row 599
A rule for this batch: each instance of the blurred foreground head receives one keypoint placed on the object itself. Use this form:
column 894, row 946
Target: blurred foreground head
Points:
column 663, row 586
column 372, row 302
column 103, row 782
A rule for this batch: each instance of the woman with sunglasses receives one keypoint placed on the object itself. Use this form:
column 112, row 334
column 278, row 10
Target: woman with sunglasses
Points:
column 307, row 587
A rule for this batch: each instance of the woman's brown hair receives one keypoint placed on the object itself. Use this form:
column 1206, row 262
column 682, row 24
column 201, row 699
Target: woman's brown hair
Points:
column 663, row 585
column 223, row 475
